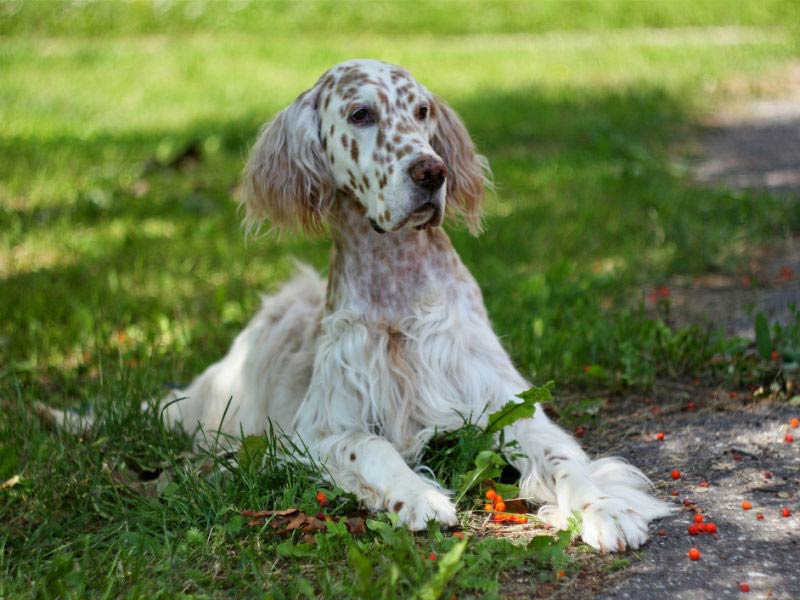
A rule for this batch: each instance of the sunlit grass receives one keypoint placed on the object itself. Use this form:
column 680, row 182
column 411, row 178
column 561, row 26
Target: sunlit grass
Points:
column 124, row 268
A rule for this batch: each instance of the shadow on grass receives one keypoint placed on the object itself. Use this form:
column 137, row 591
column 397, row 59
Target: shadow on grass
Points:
column 588, row 206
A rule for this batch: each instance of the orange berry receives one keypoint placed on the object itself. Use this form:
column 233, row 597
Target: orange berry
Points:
column 660, row 436
column 491, row 494
column 698, row 518
column 560, row 574
column 746, row 505
column 703, row 484
column 488, row 507
column 693, row 529
column 794, row 422
column 501, row 506
column 789, row 438
column 676, row 474
column 786, row 512
column 744, row 587
column 675, row 492
column 458, row 534
column 432, row 556
column 321, row 498
column 694, row 553
column 760, row 516
column 662, row 532
column 709, row 527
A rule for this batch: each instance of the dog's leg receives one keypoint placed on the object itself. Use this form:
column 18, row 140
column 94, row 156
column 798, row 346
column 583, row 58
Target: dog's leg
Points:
column 611, row 496
column 371, row 468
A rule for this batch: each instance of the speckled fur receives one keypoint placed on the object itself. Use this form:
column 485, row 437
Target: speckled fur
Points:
column 397, row 345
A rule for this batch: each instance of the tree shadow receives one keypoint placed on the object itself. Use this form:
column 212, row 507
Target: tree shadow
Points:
column 581, row 176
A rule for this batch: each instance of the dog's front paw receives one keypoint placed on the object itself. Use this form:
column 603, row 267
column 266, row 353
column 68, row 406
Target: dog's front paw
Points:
column 428, row 504
column 612, row 525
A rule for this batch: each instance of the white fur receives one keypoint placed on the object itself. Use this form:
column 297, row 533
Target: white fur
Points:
column 401, row 346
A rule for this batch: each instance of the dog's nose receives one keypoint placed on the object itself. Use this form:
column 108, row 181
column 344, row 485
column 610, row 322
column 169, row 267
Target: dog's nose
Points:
column 428, row 173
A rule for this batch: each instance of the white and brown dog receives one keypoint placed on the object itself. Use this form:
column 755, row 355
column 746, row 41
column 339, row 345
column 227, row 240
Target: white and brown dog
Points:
column 365, row 368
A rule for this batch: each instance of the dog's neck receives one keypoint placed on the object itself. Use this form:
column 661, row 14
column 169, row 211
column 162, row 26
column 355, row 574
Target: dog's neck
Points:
column 387, row 276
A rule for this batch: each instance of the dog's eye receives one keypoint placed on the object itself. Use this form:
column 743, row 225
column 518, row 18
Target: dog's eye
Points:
column 362, row 116
column 422, row 113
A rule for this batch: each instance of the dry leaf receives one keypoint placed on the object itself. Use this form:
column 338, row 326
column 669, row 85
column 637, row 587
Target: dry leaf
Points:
column 261, row 514
column 355, row 525
column 9, row 483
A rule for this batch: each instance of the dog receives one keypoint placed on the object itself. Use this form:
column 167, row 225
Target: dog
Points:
column 396, row 346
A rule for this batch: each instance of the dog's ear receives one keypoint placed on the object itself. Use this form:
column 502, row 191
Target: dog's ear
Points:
column 287, row 178
column 468, row 173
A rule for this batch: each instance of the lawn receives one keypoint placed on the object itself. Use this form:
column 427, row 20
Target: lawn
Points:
column 123, row 130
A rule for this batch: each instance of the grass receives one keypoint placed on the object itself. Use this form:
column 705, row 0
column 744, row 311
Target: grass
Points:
column 124, row 267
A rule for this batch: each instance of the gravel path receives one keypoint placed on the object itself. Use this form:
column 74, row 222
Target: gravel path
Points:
column 731, row 446
column 732, row 451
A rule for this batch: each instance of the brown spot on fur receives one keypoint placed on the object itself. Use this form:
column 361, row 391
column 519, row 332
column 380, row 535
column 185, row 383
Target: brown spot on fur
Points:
column 327, row 102
column 407, row 149
column 354, row 150
column 398, row 506
column 386, row 217
column 366, row 181
column 405, row 127
column 344, row 141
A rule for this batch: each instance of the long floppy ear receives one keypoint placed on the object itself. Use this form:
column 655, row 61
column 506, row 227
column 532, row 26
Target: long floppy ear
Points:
column 468, row 173
column 287, row 178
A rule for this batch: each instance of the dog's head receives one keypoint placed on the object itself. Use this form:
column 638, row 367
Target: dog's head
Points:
column 368, row 130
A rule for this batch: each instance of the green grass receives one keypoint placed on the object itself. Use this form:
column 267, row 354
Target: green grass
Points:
column 122, row 272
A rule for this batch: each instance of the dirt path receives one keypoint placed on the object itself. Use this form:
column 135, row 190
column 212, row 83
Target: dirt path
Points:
column 738, row 448
column 740, row 452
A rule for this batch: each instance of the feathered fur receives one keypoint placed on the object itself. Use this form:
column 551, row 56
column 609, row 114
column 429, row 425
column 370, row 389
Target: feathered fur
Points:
column 364, row 369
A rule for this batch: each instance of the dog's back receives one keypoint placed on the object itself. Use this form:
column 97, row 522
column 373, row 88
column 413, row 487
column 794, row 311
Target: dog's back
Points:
column 267, row 369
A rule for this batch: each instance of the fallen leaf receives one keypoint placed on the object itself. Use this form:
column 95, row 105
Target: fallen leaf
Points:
column 261, row 514
column 9, row 483
column 293, row 524
column 355, row 525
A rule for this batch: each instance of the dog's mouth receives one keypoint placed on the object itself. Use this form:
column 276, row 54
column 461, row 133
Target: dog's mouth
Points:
column 422, row 218
column 426, row 215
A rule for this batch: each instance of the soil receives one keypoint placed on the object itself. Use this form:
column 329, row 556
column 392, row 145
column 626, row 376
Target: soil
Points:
column 733, row 443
